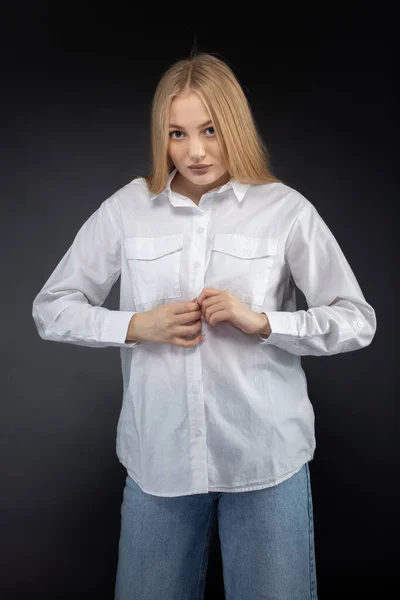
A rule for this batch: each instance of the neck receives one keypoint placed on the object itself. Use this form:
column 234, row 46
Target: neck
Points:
column 183, row 186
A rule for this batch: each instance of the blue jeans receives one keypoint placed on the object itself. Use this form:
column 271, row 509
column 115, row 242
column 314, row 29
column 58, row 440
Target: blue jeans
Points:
column 266, row 537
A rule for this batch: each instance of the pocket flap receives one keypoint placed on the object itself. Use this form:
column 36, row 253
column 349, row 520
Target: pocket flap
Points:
column 146, row 248
column 244, row 246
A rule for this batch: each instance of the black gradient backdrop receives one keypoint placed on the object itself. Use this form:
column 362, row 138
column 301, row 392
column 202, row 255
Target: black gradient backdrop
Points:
column 77, row 90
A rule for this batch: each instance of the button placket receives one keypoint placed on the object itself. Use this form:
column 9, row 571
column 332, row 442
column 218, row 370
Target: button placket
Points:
column 196, row 418
column 195, row 263
column 198, row 252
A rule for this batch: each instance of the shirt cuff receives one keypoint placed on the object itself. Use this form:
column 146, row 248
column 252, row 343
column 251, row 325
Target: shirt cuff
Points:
column 281, row 323
column 116, row 328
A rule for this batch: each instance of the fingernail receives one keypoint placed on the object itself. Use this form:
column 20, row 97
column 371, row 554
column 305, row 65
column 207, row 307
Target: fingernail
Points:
column 194, row 300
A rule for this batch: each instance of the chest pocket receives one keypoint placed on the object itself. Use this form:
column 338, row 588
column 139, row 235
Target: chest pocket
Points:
column 242, row 265
column 154, row 265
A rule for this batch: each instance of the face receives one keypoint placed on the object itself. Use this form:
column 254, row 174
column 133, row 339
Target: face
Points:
column 193, row 140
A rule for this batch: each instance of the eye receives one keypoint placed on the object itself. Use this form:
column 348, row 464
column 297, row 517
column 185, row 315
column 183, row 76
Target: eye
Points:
column 171, row 134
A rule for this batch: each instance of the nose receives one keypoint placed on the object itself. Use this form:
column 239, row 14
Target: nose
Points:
column 196, row 150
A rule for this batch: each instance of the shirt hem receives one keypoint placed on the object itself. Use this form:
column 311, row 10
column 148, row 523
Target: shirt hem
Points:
column 251, row 487
column 225, row 489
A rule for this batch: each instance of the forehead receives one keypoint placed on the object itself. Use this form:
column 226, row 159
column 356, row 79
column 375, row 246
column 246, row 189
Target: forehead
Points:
column 188, row 109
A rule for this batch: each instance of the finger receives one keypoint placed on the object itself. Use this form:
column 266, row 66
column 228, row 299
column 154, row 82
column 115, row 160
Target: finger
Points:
column 212, row 305
column 210, row 302
column 211, row 291
column 186, row 318
column 185, row 307
column 206, row 293
column 188, row 343
column 192, row 328
column 218, row 314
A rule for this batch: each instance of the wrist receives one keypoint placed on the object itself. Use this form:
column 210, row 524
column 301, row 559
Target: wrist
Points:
column 133, row 334
column 265, row 328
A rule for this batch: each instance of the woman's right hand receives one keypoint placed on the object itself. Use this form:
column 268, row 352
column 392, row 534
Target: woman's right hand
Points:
column 168, row 324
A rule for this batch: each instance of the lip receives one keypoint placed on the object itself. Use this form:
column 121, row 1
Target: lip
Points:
column 198, row 169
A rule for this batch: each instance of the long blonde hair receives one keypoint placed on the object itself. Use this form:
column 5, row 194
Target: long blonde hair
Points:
column 212, row 79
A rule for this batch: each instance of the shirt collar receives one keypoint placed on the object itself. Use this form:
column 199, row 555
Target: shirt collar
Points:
column 239, row 189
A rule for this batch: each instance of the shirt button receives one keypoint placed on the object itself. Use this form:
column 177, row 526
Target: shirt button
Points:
column 198, row 432
column 360, row 323
column 200, row 229
column 195, row 389
column 196, row 264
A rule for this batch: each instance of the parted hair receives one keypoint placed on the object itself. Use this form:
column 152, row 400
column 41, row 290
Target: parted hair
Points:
column 210, row 77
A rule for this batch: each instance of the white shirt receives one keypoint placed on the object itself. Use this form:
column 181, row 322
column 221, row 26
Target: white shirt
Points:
column 233, row 413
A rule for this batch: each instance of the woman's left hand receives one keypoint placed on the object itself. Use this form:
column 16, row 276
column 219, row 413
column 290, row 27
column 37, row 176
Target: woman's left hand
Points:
column 220, row 305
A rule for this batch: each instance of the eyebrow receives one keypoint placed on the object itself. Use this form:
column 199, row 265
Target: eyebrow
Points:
column 200, row 126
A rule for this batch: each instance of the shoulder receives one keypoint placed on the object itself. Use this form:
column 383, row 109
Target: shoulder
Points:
column 287, row 199
column 135, row 189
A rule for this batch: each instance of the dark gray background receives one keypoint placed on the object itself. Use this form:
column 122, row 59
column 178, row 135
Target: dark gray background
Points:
column 75, row 128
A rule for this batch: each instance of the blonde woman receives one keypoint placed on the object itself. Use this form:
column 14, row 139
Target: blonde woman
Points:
column 210, row 243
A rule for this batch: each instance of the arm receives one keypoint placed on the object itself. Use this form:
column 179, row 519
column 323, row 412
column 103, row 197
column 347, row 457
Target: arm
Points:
column 68, row 307
column 265, row 330
column 132, row 334
column 338, row 319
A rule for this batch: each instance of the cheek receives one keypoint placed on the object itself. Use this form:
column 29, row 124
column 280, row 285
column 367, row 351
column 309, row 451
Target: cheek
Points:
column 174, row 151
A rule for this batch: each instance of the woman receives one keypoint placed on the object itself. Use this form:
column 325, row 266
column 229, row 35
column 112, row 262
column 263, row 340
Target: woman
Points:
column 220, row 425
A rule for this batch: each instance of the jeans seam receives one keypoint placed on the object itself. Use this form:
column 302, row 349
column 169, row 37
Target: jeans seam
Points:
column 204, row 561
column 313, row 591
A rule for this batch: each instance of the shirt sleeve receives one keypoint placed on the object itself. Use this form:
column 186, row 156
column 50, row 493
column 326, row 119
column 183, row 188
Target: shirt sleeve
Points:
column 69, row 306
column 338, row 318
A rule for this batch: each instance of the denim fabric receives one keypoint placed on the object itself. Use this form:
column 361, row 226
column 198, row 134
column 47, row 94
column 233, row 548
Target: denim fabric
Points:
column 266, row 536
